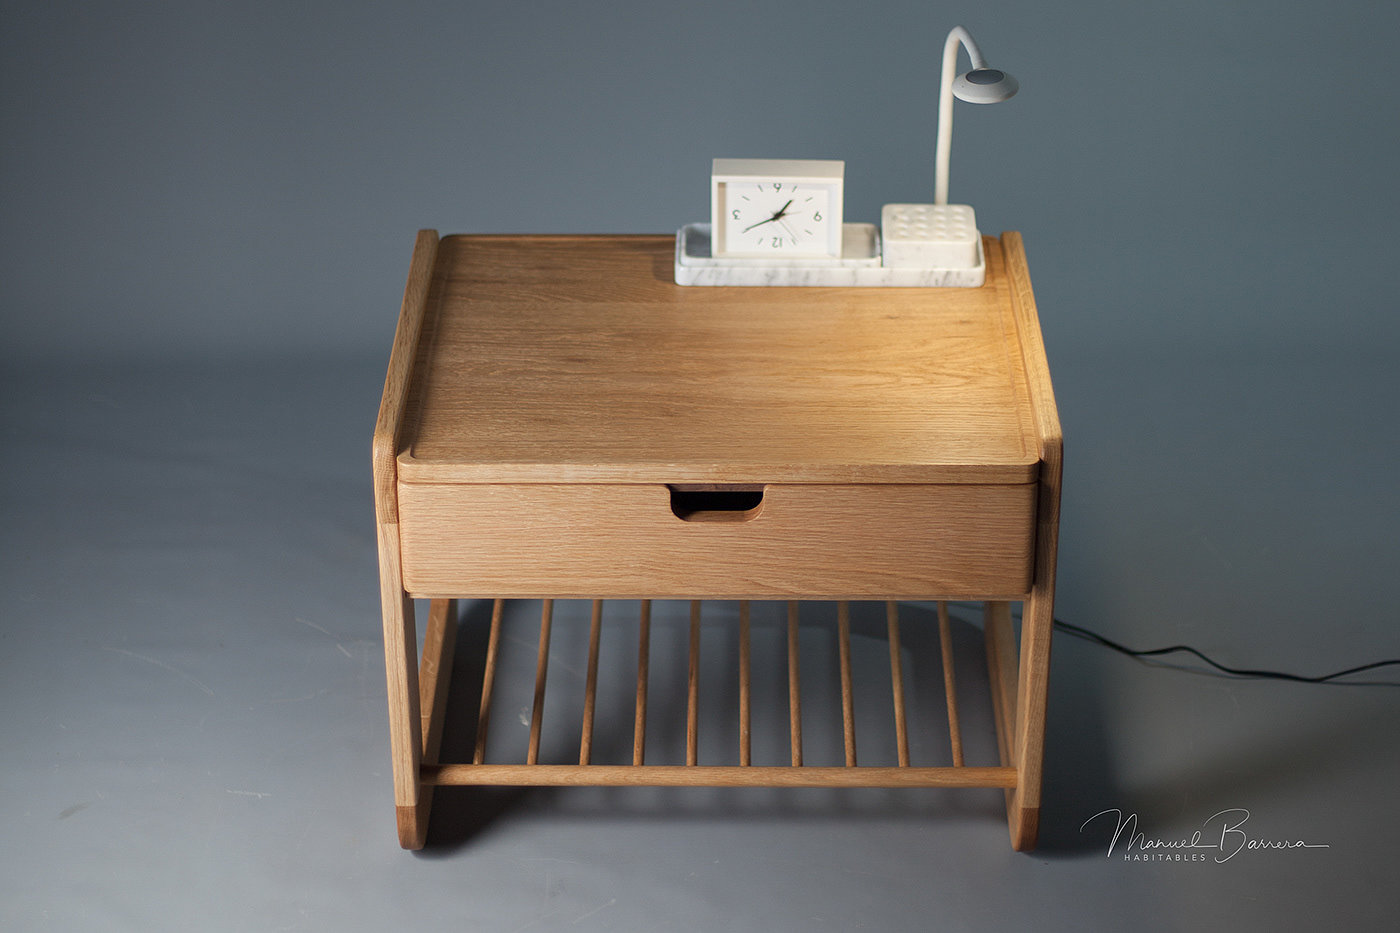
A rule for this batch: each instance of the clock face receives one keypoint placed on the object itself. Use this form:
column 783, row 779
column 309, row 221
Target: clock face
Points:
column 776, row 208
column 776, row 217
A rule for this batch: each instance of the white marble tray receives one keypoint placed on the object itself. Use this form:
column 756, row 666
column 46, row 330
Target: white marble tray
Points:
column 859, row 265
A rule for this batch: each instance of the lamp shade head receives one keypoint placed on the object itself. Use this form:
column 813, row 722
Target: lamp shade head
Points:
column 985, row 86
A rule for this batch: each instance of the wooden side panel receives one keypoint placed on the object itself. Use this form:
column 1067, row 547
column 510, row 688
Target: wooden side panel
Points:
column 1038, row 619
column 810, row 542
column 405, row 711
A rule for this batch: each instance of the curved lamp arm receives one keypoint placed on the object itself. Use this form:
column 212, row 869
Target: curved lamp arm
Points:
column 998, row 86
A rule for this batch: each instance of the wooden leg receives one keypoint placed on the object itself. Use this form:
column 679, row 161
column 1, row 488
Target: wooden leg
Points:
column 1019, row 694
column 401, row 670
column 1032, row 692
column 435, row 676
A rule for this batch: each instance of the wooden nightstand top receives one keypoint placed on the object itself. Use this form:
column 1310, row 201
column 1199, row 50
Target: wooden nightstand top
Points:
column 577, row 359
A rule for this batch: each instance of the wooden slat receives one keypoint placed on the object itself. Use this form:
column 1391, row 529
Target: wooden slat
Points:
column 639, row 727
column 435, row 673
column 848, row 710
column 745, row 715
column 717, row 776
column 590, row 690
column 434, row 680
column 901, row 723
column 692, row 704
column 1001, row 674
column 488, row 679
column 794, row 686
column 950, row 690
column 541, row 669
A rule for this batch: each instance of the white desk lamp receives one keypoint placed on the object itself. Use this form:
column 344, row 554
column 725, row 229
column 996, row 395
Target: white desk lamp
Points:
column 981, row 85
column 786, row 225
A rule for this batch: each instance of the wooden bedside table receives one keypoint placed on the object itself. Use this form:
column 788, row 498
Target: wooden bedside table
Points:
column 561, row 420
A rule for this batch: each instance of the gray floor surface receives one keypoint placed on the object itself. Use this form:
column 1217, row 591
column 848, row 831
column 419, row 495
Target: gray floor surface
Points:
column 194, row 725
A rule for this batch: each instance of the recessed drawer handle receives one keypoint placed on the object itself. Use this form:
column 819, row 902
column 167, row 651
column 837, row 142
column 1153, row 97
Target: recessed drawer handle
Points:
column 716, row 503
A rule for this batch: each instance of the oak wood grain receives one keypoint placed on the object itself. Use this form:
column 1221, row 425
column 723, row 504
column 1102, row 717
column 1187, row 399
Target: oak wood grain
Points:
column 614, row 541
column 575, row 359
column 1038, row 619
column 717, row 776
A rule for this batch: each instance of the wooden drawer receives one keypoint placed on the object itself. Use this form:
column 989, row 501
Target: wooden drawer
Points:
column 877, row 541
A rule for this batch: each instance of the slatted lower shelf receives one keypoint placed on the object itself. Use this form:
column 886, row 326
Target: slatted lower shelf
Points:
column 436, row 669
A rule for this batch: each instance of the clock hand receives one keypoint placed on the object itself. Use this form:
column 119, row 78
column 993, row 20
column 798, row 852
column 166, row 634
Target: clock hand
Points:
column 782, row 211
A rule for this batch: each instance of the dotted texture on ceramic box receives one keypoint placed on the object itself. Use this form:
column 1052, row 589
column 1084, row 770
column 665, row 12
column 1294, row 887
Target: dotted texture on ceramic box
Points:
column 929, row 236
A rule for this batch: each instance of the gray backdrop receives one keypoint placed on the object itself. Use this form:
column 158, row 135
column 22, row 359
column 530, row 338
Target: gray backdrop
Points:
column 206, row 212
column 209, row 178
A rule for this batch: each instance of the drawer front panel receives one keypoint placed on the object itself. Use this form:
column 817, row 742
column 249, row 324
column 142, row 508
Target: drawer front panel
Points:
column 801, row 541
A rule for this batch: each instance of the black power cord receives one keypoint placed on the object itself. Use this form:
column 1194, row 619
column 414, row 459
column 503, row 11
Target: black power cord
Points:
column 1096, row 638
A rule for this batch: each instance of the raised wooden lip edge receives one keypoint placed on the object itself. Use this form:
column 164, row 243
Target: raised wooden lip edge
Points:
column 399, row 377
column 430, row 473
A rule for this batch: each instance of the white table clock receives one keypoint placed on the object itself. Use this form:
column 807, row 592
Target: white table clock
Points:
column 776, row 207
column 779, row 222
